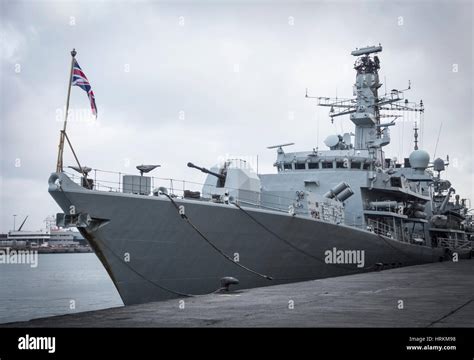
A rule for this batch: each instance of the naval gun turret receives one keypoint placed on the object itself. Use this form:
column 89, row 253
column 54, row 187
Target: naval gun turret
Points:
column 221, row 176
column 233, row 180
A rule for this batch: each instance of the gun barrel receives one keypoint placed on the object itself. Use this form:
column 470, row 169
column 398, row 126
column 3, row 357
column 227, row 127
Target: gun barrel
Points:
column 204, row 170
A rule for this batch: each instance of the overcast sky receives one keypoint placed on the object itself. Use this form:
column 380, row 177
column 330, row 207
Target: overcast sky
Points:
column 199, row 81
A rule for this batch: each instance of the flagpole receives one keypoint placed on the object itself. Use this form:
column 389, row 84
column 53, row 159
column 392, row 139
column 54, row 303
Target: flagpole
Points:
column 59, row 163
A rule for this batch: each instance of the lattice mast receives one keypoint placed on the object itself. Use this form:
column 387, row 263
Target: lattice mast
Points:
column 367, row 108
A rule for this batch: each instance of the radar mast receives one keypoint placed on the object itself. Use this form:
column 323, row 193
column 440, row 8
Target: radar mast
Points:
column 367, row 107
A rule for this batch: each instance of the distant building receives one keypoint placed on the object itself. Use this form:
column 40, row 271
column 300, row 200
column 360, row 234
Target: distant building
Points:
column 52, row 238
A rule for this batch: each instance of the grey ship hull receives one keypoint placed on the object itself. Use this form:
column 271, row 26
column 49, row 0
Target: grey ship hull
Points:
column 167, row 256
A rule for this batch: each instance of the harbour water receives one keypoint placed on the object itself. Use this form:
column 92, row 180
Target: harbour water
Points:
column 60, row 284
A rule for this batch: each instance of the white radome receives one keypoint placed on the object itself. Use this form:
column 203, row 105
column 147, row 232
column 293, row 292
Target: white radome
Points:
column 419, row 159
column 331, row 140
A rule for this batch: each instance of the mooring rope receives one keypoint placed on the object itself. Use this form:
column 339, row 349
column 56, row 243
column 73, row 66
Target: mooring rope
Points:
column 145, row 278
column 164, row 288
column 294, row 246
column 186, row 218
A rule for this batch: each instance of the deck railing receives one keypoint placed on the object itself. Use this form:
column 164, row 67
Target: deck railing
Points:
column 111, row 181
column 380, row 228
column 454, row 244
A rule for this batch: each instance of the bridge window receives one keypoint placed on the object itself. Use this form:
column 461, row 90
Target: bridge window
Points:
column 287, row 167
column 339, row 165
column 327, row 165
column 313, row 165
column 300, row 166
column 355, row 165
column 366, row 166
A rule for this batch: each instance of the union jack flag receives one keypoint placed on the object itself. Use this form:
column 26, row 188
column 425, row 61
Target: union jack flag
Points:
column 80, row 79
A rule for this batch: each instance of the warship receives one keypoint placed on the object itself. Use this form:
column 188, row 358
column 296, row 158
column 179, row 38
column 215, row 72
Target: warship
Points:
column 323, row 213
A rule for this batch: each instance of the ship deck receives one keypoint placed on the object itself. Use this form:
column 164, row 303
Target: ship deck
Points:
column 433, row 295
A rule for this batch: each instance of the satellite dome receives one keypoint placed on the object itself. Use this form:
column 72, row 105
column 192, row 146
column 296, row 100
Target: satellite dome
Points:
column 419, row 159
column 331, row 140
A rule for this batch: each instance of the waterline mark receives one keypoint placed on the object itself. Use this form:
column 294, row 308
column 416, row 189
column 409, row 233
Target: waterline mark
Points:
column 8, row 256
column 335, row 256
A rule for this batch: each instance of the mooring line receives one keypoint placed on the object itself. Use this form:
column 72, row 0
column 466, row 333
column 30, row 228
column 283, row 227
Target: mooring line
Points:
column 451, row 313
column 293, row 246
column 185, row 217
column 145, row 278
column 164, row 288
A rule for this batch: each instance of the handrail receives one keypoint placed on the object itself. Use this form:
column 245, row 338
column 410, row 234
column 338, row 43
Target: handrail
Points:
column 175, row 186
column 381, row 228
column 454, row 243
column 106, row 180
